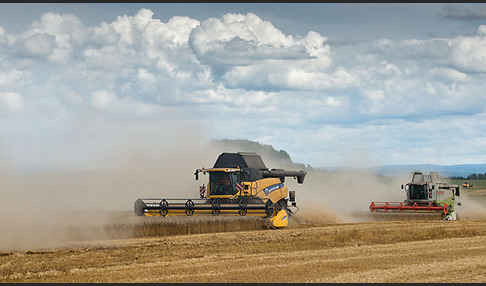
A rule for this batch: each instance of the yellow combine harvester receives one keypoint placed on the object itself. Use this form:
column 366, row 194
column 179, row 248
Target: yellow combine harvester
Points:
column 239, row 184
column 466, row 185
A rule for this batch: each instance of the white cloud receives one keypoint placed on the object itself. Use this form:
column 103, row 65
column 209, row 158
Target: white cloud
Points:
column 11, row 101
column 54, row 36
column 58, row 24
column 175, row 33
column 239, row 99
column 314, row 45
column 469, row 53
column 282, row 75
column 241, row 65
column 143, row 31
column 375, row 95
column 449, row 74
column 39, row 44
column 213, row 33
column 146, row 76
column 331, row 101
column 238, row 39
column 482, row 30
column 10, row 77
column 102, row 99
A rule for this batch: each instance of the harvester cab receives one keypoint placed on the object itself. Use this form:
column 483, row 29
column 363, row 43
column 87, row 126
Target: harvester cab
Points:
column 425, row 193
column 239, row 184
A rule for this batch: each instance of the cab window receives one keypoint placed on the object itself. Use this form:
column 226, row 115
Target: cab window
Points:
column 222, row 183
column 418, row 192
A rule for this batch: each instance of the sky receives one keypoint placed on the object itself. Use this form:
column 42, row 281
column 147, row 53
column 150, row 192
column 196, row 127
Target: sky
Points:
column 332, row 84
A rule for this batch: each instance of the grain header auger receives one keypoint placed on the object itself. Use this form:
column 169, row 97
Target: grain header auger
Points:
column 239, row 184
column 426, row 193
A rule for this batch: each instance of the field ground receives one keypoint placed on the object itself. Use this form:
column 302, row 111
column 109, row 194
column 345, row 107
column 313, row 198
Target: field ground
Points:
column 411, row 251
column 309, row 251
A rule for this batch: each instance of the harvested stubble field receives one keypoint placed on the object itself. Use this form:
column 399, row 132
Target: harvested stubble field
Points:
column 311, row 250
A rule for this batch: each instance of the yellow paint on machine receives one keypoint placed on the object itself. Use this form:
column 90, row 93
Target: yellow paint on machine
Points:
column 236, row 179
column 281, row 219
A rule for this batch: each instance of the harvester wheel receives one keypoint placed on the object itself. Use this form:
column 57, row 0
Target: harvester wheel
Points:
column 189, row 208
column 163, row 208
column 139, row 207
column 243, row 204
column 243, row 212
column 242, row 201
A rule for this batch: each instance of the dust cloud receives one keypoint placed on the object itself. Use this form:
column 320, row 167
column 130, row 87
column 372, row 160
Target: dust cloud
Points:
column 343, row 194
column 94, row 174
column 100, row 168
column 472, row 207
column 346, row 194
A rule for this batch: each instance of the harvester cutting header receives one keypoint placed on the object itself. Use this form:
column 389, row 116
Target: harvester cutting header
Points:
column 425, row 193
column 239, row 184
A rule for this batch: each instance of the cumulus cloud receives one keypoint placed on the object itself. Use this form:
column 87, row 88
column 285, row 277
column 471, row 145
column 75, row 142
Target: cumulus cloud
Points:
column 279, row 75
column 248, row 52
column 266, row 82
column 213, row 34
column 10, row 77
column 11, row 102
column 469, row 53
column 146, row 76
column 54, row 36
column 102, row 99
column 449, row 74
column 234, row 99
column 39, row 44
column 239, row 40
column 375, row 95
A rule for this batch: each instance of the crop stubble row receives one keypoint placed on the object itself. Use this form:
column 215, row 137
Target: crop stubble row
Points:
column 379, row 251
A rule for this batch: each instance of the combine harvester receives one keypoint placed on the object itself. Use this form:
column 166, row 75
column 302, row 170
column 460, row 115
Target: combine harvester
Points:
column 239, row 184
column 426, row 193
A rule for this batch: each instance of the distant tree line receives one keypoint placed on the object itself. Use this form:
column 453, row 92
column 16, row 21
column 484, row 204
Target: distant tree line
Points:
column 478, row 176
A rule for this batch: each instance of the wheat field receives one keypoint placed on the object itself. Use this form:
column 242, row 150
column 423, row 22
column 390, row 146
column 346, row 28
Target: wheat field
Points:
column 392, row 251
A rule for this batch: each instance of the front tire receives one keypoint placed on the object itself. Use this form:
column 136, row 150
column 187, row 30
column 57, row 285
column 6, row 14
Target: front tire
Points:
column 139, row 207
